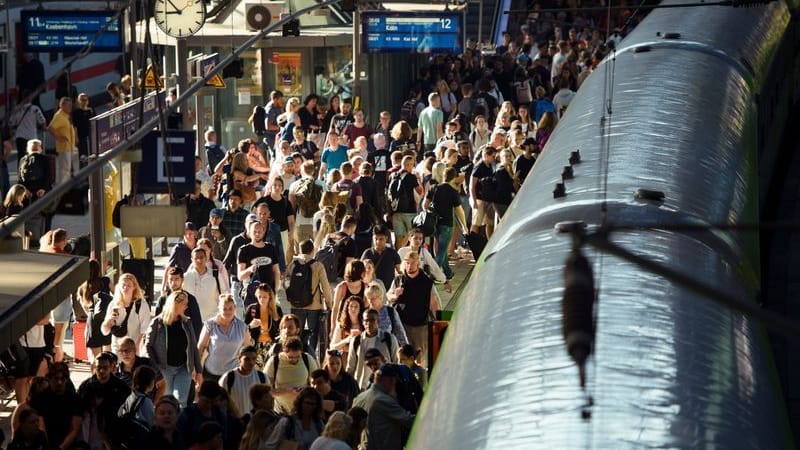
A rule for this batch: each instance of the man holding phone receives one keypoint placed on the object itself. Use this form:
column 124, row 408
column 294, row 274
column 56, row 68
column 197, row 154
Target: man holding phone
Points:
column 413, row 297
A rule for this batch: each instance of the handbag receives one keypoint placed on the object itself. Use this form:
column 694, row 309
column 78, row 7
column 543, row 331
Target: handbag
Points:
column 426, row 220
column 523, row 91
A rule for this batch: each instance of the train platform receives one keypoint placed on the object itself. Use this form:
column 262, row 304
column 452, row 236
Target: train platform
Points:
column 81, row 370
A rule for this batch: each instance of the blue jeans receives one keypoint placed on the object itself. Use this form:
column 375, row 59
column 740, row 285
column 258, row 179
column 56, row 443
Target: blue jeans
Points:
column 177, row 382
column 236, row 292
column 312, row 336
column 443, row 235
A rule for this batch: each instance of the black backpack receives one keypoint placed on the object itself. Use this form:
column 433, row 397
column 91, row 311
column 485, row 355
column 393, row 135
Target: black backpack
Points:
column 397, row 196
column 300, row 293
column 330, row 254
column 128, row 431
column 31, row 170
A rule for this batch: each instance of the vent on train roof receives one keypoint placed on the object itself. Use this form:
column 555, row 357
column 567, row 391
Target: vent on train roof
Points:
column 672, row 35
column 649, row 195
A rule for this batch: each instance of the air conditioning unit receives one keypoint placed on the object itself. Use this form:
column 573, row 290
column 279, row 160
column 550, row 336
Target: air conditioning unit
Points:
column 261, row 15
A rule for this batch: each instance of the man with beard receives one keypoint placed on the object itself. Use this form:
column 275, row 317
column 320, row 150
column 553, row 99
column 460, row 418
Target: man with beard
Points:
column 258, row 262
column 412, row 295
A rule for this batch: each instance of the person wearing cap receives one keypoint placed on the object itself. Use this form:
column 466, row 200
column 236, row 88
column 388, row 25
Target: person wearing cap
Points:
column 386, row 419
column 217, row 233
column 524, row 162
column 235, row 214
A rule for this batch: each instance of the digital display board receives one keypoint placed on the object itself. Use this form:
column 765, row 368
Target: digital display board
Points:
column 403, row 32
column 69, row 31
column 113, row 127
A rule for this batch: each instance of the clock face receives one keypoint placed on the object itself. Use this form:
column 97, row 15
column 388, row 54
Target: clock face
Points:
column 180, row 18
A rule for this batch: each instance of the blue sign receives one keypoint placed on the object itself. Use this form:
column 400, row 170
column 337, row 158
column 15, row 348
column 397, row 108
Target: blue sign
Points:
column 115, row 126
column 402, row 32
column 69, row 31
column 158, row 165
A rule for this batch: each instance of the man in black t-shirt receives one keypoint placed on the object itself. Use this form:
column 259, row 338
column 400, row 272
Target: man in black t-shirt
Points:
column 386, row 259
column 258, row 258
column 482, row 209
column 60, row 407
column 406, row 206
column 344, row 118
column 446, row 202
column 412, row 295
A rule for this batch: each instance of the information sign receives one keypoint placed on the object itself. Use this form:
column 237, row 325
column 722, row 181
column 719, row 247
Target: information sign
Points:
column 69, row 31
column 156, row 167
column 403, row 32
column 113, row 127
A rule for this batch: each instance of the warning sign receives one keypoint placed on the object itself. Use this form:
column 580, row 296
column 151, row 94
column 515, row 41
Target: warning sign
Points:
column 151, row 79
column 207, row 65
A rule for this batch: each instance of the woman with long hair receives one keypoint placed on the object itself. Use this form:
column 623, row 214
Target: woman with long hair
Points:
column 408, row 355
column 335, row 434
column 14, row 202
column 292, row 119
column 545, row 128
column 327, row 225
column 263, row 319
column 172, row 347
column 223, row 336
column 402, row 138
column 388, row 318
column 95, row 296
column 306, row 422
column 341, row 381
column 526, row 121
column 480, row 134
column 352, row 286
column 448, row 99
column 507, row 183
column 128, row 314
column 348, row 326
column 333, row 109
column 258, row 430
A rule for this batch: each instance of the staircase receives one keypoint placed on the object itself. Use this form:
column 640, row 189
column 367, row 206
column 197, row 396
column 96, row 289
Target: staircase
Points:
column 489, row 14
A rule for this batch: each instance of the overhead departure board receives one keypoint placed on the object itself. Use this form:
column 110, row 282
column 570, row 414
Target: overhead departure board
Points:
column 403, row 32
column 69, row 31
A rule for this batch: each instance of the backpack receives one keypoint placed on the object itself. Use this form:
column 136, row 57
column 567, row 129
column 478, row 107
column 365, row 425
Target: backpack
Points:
column 387, row 341
column 31, row 170
column 122, row 330
column 128, row 431
column 300, row 293
column 329, row 256
column 308, row 196
column 345, row 194
column 408, row 112
column 398, row 199
column 230, row 379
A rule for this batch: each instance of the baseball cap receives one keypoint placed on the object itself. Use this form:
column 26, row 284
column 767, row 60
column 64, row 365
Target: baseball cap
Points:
column 288, row 159
column 217, row 212
column 390, row 370
column 251, row 219
column 189, row 226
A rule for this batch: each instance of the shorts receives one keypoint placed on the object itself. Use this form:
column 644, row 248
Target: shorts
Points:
column 483, row 215
column 402, row 224
column 35, row 358
column 62, row 312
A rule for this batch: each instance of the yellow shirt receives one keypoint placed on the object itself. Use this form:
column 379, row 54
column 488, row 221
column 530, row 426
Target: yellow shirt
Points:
column 62, row 129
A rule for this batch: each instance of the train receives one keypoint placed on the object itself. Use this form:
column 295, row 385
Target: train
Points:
column 676, row 126
column 89, row 74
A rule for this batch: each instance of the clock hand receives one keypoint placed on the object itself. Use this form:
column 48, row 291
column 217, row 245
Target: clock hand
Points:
column 177, row 10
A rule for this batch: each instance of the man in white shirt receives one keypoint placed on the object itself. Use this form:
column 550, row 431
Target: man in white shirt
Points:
column 200, row 282
column 563, row 97
column 372, row 338
column 237, row 382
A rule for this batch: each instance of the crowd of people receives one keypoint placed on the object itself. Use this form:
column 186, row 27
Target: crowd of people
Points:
column 294, row 311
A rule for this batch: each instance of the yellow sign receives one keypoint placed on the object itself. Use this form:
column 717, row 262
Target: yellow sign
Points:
column 288, row 73
column 215, row 81
column 151, row 79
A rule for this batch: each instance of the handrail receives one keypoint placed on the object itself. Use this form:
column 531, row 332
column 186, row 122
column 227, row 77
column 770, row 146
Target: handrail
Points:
column 8, row 225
